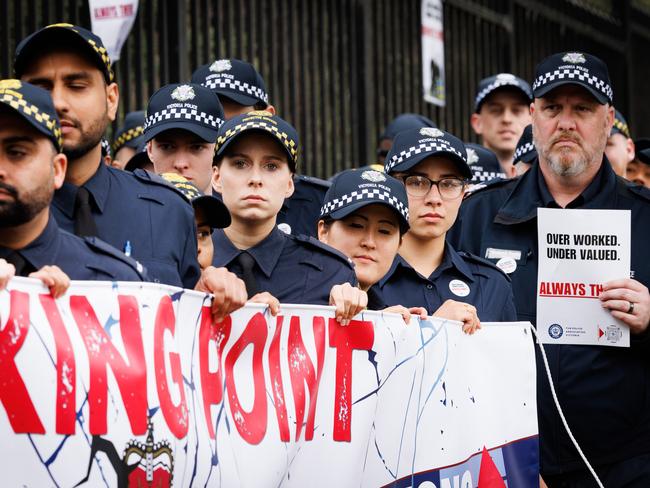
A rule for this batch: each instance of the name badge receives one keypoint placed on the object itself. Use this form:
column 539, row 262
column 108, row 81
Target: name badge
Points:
column 494, row 253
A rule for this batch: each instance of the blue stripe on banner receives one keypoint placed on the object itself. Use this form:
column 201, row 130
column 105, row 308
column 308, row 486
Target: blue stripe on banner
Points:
column 517, row 462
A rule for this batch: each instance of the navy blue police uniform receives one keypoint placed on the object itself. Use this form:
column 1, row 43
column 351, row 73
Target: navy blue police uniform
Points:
column 354, row 189
column 141, row 214
column 293, row 268
column 80, row 259
column 299, row 213
column 460, row 276
column 136, row 213
column 89, row 258
column 604, row 391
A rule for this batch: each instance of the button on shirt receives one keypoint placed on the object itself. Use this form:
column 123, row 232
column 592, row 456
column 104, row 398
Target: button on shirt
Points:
column 459, row 277
column 156, row 222
column 78, row 258
column 292, row 269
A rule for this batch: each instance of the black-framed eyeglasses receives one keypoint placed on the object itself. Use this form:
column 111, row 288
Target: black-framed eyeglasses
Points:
column 420, row 186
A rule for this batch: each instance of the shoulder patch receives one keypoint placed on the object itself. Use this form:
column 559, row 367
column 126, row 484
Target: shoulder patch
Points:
column 155, row 180
column 309, row 241
column 99, row 246
column 473, row 258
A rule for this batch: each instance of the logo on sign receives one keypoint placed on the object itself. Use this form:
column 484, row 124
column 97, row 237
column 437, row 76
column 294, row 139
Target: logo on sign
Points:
column 613, row 334
column 555, row 331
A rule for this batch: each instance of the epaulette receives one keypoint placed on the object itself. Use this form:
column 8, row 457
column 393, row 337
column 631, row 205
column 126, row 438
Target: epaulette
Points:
column 99, row 246
column 153, row 179
column 310, row 241
column 489, row 185
column 482, row 262
column 312, row 180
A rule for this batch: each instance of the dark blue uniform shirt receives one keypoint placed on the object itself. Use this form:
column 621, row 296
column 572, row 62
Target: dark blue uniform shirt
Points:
column 81, row 259
column 302, row 209
column 294, row 269
column 145, row 211
column 604, row 391
column 483, row 285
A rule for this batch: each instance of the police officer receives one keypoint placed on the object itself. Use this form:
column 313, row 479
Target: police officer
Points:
column 400, row 123
column 525, row 153
column 500, row 115
column 427, row 272
column 620, row 146
column 638, row 170
column 256, row 156
column 241, row 89
column 572, row 118
column 31, row 168
column 132, row 212
column 180, row 131
column 128, row 138
column 483, row 163
column 209, row 212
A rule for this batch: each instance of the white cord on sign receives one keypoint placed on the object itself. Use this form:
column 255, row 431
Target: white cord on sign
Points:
column 559, row 410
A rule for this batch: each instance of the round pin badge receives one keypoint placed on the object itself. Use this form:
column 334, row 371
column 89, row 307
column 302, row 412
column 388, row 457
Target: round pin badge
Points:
column 459, row 288
column 507, row 265
column 284, row 227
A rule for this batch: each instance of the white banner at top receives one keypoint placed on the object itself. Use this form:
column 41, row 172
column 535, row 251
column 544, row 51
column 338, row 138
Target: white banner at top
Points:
column 112, row 21
column 433, row 52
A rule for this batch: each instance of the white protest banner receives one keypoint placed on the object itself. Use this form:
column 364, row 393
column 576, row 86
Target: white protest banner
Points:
column 132, row 384
column 579, row 250
column 112, row 21
column 433, row 52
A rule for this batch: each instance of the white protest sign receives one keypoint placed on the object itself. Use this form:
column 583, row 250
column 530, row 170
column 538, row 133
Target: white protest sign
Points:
column 112, row 20
column 135, row 384
column 579, row 250
column 433, row 52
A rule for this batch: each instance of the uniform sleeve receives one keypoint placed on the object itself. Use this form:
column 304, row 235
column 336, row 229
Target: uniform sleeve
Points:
column 189, row 265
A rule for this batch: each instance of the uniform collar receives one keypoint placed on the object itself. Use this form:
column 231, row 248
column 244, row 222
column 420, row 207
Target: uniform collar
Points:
column 266, row 253
column 531, row 193
column 43, row 250
column 98, row 185
column 450, row 260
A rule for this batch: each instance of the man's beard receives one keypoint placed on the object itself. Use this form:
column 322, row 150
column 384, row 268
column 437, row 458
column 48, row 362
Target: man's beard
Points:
column 90, row 138
column 23, row 208
column 566, row 163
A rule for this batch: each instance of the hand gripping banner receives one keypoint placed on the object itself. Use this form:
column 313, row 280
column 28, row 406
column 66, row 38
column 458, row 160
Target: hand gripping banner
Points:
column 134, row 384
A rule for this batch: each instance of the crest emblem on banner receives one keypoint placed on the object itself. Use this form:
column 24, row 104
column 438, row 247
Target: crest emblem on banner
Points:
column 155, row 461
column 374, row 176
column 183, row 93
column 431, row 132
column 575, row 58
column 221, row 65
column 472, row 157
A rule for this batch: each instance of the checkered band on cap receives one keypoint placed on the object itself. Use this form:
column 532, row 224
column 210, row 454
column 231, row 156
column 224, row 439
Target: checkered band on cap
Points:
column 287, row 142
column 622, row 127
column 16, row 101
column 574, row 74
column 183, row 113
column 523, row 149
column 429, row 147
column 493, row 86
column 356, row 196
column 480, row 176
column 126, row 136
column 237, row 85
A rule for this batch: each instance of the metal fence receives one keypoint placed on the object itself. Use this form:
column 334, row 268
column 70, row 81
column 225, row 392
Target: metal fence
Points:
column 341, row 69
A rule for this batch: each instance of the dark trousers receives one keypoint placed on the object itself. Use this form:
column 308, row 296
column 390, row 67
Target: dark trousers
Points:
column 631, row 473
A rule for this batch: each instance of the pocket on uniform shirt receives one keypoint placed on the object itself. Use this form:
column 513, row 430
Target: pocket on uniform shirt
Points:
column 162, row 271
